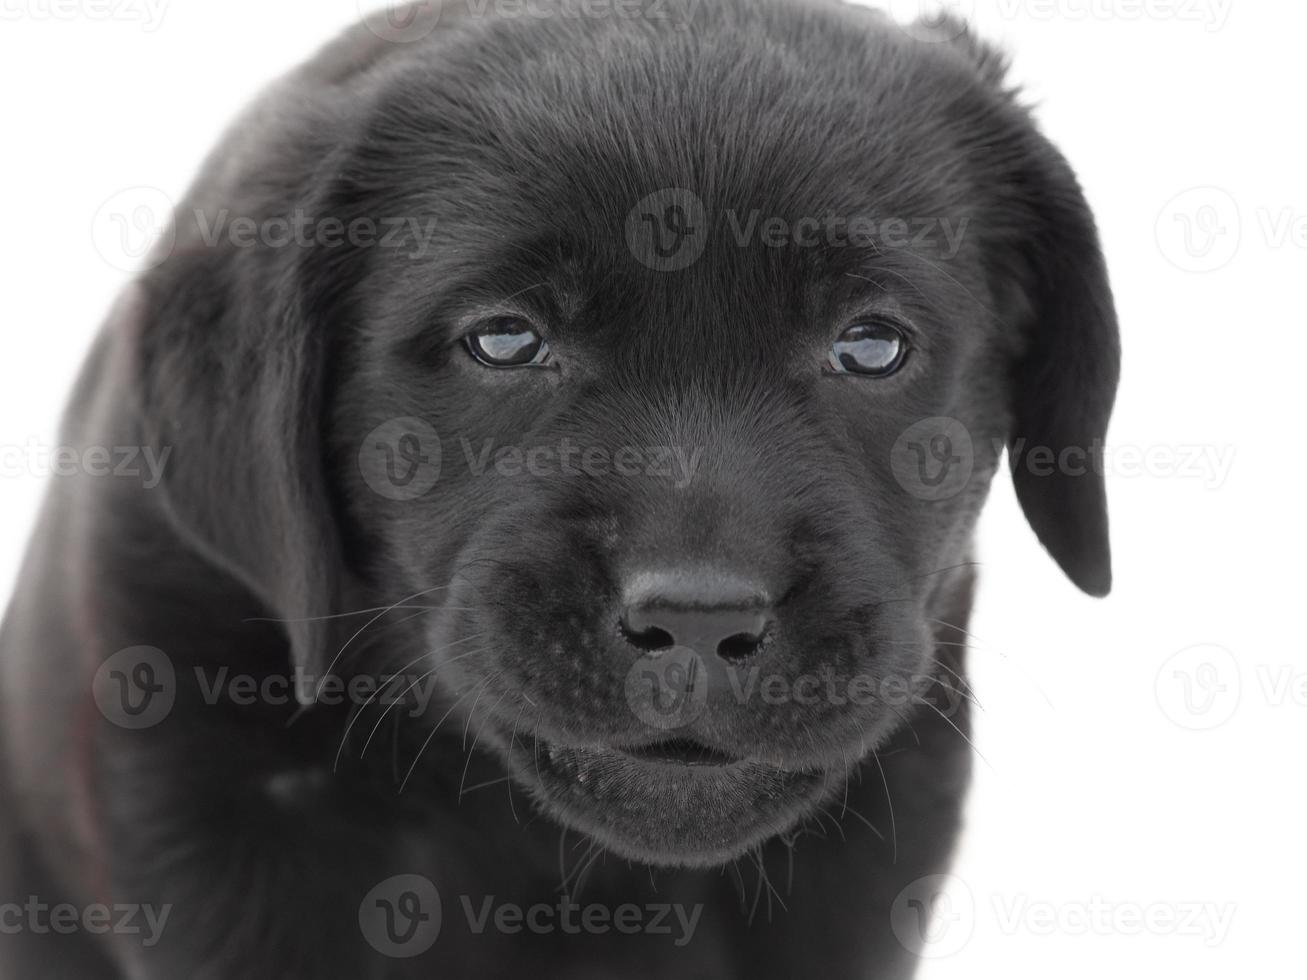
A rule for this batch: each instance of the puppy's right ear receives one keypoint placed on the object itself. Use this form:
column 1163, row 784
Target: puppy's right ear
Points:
column 233, row 343
column 231, row 374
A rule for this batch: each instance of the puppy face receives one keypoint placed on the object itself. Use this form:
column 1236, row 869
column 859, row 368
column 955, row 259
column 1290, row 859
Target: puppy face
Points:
column 689, row 310
column 671, row 400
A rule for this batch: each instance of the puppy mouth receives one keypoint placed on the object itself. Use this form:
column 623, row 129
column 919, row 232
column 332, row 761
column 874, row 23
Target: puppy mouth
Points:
column 681, row 752
column 674, row 802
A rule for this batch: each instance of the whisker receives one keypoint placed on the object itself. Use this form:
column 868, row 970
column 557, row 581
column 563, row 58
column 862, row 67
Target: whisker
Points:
column 983, row 647
column 346, row 615
column 593, row 856
column 362, row 629
column 906, row 722
column 467, row 763
column 354, row 717
column 512, row 740
column 432, row 735
column 954, row 626
column 963, row 686
column 420, row 678
column 868, row 824
column 488, row 783
column 893, row 824
column 958, row 730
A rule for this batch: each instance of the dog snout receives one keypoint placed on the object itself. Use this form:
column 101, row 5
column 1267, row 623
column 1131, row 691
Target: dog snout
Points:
column 716, row 613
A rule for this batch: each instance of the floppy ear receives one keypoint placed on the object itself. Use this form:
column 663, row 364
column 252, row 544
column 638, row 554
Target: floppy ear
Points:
column 234, row 344
column 232, row 377
column 1064, row 382
column 1064, row 385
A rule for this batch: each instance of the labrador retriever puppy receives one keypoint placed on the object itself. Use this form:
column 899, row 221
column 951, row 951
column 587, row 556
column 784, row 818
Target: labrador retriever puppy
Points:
column 572, row 429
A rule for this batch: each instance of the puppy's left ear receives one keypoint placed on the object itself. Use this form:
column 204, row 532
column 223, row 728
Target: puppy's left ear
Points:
column 1064, row 382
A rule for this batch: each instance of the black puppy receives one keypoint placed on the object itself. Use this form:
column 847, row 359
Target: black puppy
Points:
column 560, row 563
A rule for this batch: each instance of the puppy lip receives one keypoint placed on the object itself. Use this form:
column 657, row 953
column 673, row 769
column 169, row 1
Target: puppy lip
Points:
column 667, row 755
column 681, row 752
column 668, row 813
column 664, row 757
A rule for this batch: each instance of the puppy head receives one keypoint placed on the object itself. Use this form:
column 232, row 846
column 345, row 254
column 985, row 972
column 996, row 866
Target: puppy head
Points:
column 676, row 392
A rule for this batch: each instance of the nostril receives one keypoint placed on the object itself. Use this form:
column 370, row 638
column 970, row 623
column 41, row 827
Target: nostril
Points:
column 740, row 646
column 716, row 615
column 649, row 639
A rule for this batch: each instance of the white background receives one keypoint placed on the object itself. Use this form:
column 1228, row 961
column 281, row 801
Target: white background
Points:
column 1125, row 775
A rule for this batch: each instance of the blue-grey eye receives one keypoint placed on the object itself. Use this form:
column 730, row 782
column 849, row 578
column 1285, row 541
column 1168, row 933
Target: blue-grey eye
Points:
column 875, row 348
column 507, row 341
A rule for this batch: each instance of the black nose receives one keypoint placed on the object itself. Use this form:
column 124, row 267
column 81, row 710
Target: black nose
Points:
column 710, row 612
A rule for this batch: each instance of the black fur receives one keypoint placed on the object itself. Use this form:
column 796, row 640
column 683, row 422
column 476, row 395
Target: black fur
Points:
column 525, row 144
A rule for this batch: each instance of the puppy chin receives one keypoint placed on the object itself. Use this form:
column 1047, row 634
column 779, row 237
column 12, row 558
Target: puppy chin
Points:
column 671, row 814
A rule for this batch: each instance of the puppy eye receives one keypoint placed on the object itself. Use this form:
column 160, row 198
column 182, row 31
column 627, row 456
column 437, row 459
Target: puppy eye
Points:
column 876, row 349
column 507, row 341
